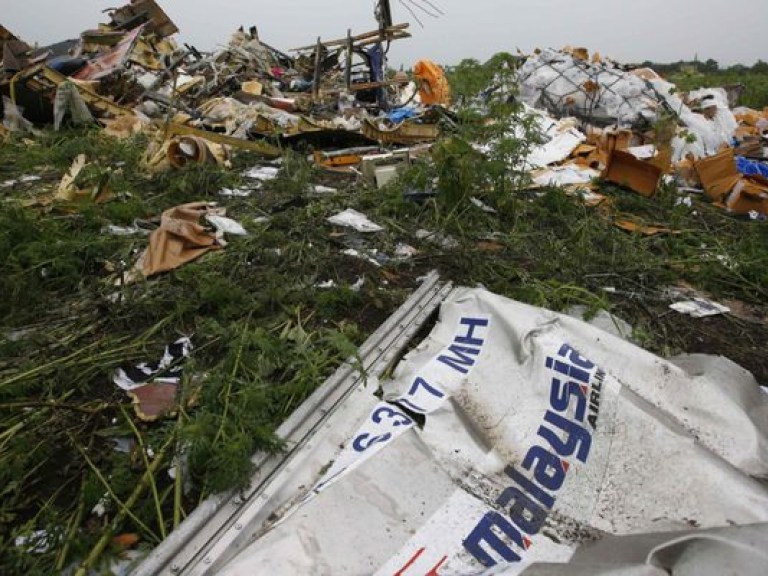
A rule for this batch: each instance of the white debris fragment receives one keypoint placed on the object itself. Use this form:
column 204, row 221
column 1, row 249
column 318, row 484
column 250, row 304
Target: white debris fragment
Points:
column 101, row 506
column 566, row 176
column 353, row 219
column 556, row 150
column 226, row 225
column 262, row 173
column 22, row 180
column 326, row 285
column 699, row 308
column 114, row 230
column 437, row 238
column 320, row 189
column 39, row 542
column 405, row 251
column 357, row 254
column 122, row 445
column 235, row 192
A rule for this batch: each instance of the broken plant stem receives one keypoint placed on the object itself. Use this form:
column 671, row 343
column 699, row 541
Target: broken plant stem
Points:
column 74, row 525
column 178, row 483
column 232, row 375
column 124, row 507
column 69, row 361
column 101, row 406
column 152, row 483
column 95, row 553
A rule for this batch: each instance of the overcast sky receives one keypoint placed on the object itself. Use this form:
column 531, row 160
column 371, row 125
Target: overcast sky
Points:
column 734, row 31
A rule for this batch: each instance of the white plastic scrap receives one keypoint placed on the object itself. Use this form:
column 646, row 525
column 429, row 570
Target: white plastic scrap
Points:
column 326, row 285
column 710, row 134
column 101, row 507
column 320, row 189
column 69, row 101
column 13, row 117
column 226, row 225
column 262, row 173
column 353, row 219
column 699, row 308
column 557, row 149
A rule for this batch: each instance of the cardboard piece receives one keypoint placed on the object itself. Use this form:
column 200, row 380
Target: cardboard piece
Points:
column 723, row 183
column 718, row 174
column 625, row 170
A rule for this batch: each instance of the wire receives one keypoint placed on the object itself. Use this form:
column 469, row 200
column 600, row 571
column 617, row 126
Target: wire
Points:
column 404, row 5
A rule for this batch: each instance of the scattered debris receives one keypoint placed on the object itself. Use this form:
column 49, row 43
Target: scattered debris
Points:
column 179, row 239
column 699, row 308
column 154, row 387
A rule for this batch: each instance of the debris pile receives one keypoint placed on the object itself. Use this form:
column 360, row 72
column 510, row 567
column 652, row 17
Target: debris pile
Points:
column 639, row 131
column 337, row 98
column 132, row 76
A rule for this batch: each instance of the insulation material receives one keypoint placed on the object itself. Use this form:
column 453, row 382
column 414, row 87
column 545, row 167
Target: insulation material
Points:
column 511, row 435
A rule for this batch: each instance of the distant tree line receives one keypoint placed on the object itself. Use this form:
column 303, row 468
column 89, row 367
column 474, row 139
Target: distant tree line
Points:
column 709, row 66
